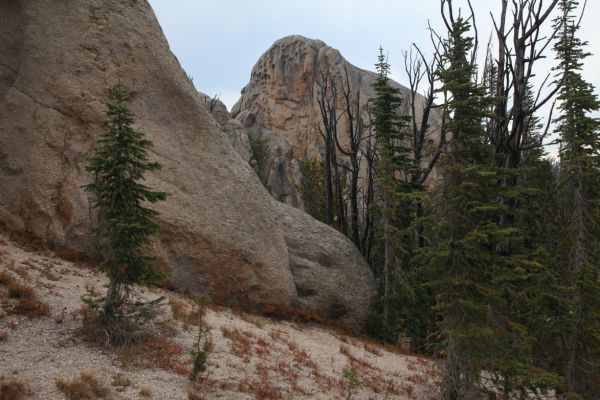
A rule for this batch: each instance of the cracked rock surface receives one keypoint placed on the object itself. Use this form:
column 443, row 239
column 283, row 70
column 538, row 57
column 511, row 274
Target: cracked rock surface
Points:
column 280, row 103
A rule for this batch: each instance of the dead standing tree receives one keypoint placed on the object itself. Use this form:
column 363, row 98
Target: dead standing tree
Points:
column 327, row 98
column 515, row 73
column 521, row 44
column 355, row 131
column 342, row 106
column 423, row 129
column 422, row 71
column 369, row 154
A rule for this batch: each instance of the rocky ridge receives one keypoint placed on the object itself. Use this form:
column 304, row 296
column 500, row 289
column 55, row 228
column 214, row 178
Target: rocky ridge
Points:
column 280, row 105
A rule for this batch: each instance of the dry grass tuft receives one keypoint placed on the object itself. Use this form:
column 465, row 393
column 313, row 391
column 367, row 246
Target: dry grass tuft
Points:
column 373, row 349
column 345, row 350
column 276, row 335
column 262, row 388
column 31, row 307
column 139, row 344
column 85, row 387
column 18, row 290
column 6, row 278
column 257, row 321
column 13, row 389
column 301, row 357
column 241, row 345
column 25, row 301
column 181, row 310
column 23, row 273
column 120, row 382
column 165, row 354
column 145, row 393
column 193, row 394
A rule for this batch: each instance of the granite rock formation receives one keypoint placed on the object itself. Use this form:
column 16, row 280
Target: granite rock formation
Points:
column 223, row 235
column 281, row 103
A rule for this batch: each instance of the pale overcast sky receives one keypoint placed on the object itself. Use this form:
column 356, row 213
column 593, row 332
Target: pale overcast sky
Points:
column 219, row 41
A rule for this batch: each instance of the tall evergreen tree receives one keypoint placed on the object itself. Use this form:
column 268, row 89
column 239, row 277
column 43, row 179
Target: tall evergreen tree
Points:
column 580, row 187
column 125, row 224
column 474, row 278
column 395, row 195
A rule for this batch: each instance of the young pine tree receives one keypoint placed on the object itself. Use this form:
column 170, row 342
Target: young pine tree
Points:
column 395, row 194
column 125, row 224
column 580, row 186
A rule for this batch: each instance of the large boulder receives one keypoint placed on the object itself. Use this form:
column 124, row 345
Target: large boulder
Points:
column 321, row 264
column 222, row 234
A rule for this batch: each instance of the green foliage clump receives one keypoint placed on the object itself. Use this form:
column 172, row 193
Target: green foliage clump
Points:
column 352, row 380
column 313, row 188
column 259, row 148
column 203, row 343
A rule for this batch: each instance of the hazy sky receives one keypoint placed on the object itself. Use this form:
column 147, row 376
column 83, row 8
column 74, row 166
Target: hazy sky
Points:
column 219, row 41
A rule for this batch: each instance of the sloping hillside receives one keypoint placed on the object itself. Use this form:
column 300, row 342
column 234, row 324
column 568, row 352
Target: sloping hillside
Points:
column 251, row 357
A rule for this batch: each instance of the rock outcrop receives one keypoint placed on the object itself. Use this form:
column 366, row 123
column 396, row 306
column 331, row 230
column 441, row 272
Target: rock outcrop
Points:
column 280, row 103
column 222, row 233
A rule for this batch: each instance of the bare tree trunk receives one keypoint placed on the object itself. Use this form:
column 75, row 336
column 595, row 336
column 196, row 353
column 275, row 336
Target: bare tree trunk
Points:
column 368, row 198
column 387, row 258
column 576, row 360
column 355, row 228
column 112, row 300
column 328, row 181
column 451, row 380
column 340, row 222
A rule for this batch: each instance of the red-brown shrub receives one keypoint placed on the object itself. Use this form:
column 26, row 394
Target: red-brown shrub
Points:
column 13, row 389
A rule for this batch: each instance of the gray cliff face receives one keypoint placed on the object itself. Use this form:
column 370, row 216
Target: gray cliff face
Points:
column 280, row 103
column 222, row 233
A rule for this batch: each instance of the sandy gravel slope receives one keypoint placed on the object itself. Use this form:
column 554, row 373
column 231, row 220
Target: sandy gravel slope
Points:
column 251, row 357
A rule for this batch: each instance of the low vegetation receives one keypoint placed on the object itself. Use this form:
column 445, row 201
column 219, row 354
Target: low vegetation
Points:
column 13, row 389
column 259, row 149
column 22, row 299
column 203, row 343
column 86, row 386
column 264, row 357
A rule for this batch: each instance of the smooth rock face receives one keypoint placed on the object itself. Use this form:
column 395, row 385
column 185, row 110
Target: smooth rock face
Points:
column 222, row 235
column 281, row 101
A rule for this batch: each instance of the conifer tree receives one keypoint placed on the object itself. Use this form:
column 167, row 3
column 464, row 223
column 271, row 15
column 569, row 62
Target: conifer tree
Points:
column 394, row 191
column 126, row 225
column 580, row 186
column 544, row 304
column 471, row 274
